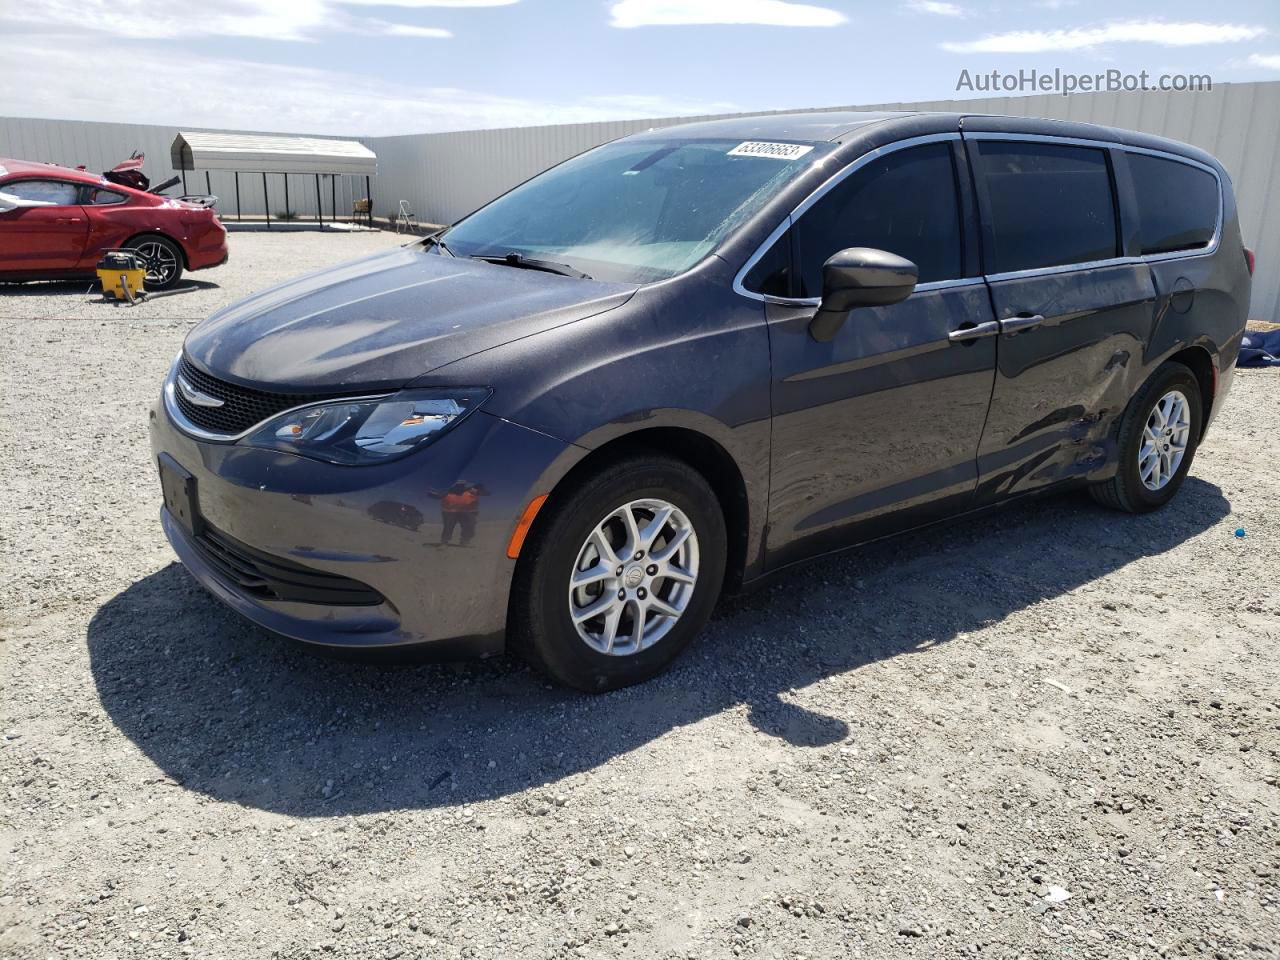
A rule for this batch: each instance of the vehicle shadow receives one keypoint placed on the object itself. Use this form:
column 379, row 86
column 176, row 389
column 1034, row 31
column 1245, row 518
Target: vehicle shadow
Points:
column 45, row 288
column 240, row 715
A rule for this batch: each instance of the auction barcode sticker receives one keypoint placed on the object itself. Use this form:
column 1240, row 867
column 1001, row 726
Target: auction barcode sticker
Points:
column 763, row 148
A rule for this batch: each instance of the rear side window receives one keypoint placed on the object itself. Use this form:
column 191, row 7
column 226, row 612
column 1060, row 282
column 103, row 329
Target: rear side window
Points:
column 57, row 192
column 1048, row 205
column 97, row 196
column 904, row 202
column 1177, row 204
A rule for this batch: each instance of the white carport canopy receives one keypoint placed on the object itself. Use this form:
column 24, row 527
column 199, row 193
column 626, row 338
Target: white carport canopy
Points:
column 252, row 152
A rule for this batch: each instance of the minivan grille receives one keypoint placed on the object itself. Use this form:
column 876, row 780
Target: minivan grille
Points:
column 241, row 408
column 269, row 577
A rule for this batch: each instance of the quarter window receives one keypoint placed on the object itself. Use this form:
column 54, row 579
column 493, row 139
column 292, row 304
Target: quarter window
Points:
column 56, row 192
column 97, row 196
column 904, row 202
column 772, row 272
column 1048, row 205
column 1177, row 204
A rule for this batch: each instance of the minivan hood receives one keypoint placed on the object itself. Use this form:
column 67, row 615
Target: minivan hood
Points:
column 380, row 322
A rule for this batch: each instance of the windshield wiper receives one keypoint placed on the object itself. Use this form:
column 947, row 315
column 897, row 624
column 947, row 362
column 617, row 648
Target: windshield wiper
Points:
column 436, row 239
column 529, row 263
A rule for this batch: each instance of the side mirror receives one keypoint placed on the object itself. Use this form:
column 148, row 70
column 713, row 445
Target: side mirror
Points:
column 860, row 277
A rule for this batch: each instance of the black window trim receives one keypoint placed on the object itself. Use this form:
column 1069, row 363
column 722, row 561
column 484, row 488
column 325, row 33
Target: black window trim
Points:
column 1123, row 198
column 822, row 189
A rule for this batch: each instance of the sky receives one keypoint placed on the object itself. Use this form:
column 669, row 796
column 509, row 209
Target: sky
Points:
column 381, row 67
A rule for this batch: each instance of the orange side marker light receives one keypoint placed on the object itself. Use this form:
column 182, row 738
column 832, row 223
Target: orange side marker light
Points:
column 522, row 528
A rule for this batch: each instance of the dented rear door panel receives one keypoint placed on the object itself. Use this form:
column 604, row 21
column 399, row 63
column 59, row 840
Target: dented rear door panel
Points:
column 1061, row 385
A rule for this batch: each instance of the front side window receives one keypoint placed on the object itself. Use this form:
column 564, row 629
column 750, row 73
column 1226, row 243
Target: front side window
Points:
column 56, row 192
column 1049, row 205
column 635, row 211
column 1178, row 204
column 904, row 202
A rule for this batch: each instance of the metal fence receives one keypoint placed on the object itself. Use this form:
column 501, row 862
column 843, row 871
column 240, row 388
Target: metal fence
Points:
column 444, row 176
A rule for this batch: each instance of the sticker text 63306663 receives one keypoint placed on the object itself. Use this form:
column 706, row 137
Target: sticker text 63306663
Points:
column 763, row 148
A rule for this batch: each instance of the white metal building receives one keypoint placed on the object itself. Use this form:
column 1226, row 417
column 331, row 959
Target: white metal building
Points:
column 270, row 153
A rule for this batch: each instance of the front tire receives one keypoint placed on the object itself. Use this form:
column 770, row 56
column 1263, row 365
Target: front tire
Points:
column 162, row 259
column 1158, row 437
column 621, row 574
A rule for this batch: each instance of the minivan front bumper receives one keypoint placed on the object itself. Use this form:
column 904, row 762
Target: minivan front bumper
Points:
column 358, row 557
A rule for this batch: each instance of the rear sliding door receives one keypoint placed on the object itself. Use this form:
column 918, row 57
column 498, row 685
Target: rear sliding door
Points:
column 1075, row 314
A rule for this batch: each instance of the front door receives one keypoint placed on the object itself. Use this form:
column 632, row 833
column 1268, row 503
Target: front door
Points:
column 1075, row 317
column 878, row 429
column 50, row 236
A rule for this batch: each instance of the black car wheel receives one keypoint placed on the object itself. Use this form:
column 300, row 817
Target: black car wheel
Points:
column 162, row 259
column 621, row 574
column 1158, row 437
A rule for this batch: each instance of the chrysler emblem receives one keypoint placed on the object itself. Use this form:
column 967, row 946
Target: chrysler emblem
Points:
column 198, row 397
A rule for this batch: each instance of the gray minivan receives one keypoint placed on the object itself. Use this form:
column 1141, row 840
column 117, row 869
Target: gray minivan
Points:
column 688, row 358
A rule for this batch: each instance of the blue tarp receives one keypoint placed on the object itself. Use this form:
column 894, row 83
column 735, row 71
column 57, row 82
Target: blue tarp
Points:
column 1260, row 350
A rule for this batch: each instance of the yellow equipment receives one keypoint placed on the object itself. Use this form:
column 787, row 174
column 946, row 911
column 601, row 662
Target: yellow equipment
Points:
column 121, row 273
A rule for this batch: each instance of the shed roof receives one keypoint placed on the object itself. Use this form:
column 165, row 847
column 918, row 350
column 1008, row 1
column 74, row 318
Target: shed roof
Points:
column 270, row 154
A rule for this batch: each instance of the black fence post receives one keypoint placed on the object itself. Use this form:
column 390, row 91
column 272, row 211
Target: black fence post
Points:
column 266, row 201
column 319, row 203
column 333, row 192
column 368, row 194
column 208, row 184
column 286, row 194
column 238, row 216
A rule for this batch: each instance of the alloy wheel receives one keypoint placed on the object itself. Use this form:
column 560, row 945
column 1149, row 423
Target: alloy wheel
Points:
column 158, row 260
column 634, row 577
column 1164, row 440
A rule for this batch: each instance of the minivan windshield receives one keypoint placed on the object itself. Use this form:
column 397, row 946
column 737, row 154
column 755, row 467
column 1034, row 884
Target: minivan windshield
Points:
column 634, row 211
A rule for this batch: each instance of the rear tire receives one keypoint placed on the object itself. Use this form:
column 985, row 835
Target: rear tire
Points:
column 1168, row 406
column 162, row 258
column 641, row 573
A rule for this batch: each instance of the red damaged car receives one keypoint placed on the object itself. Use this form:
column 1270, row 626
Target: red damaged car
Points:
column 55, row 223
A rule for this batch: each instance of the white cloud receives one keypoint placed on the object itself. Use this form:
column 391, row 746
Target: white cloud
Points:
column 775, row 13
column 1159, row 32
column 160, row 19
column 422, row 4
column 44, row 77
column 406, row 30
column 1268, row 61
column 296, row 20
column 938, row 7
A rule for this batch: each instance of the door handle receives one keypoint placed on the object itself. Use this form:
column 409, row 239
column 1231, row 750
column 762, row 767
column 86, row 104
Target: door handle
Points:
column 66, row 219
column 1022, row 322
column 988, row 329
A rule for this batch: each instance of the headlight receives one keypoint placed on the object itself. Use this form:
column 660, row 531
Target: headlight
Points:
column 359, row 432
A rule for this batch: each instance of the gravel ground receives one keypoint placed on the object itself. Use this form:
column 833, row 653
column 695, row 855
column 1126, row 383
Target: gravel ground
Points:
column 916, row 750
